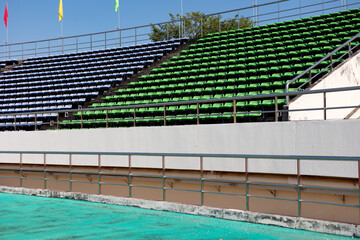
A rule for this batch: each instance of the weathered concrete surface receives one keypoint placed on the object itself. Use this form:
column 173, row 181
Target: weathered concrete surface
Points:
column 230, row 214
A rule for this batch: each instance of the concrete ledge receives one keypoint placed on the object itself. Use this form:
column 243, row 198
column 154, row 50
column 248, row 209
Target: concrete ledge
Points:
column 335, row 228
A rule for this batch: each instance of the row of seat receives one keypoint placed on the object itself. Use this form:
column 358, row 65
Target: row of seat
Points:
column 108, row 52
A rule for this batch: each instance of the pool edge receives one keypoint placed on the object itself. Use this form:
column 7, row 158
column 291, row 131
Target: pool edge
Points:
column 321, row 226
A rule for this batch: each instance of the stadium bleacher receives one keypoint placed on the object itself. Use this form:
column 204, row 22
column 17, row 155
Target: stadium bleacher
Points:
column 68, row 81
column 244, row 62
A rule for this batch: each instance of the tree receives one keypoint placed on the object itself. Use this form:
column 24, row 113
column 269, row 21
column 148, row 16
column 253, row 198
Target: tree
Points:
column 195, row 25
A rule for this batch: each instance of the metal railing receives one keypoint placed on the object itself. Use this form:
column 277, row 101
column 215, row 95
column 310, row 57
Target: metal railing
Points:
column 140, row 34
column 202, row 181
column 349, row 52
column 276, row 113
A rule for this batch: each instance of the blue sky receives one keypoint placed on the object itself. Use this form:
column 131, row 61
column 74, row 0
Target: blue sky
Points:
column 38, row 19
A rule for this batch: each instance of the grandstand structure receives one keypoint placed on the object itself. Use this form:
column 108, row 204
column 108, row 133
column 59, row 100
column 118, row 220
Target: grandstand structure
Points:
column 105, row 116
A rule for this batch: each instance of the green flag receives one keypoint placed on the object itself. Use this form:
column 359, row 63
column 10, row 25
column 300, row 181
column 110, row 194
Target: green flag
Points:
column 116, row 5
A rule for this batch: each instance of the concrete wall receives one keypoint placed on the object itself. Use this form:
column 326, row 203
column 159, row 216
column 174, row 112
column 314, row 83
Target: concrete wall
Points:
column 347, row 75
column 329, row 138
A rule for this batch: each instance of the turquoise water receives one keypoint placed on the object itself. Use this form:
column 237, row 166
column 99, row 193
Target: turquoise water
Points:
column 29, row 217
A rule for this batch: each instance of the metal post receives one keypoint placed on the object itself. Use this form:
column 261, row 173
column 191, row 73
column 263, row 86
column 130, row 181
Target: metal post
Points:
column 201, row 181
column 324, row 99
column 15, row 122
column 22, row 51
column 129, row 175
column 276, row 109
column 44, row 170
column 35, row 121
column 90, row 42
column 278, row 12
column 99, row 174
column 331, row 63
column 164, row 115
column 57, row 121
column 350, row 52
column 134, row 117
column 107, row 118
column 167, row 32
column 298, row 187
column 219, row 23
column 81, row 119
column 246, row 184
column 70, row 173
column 77, row 45
column 49, row 49
column 163, row 176
column 234, row 110
column 197, row 114
column 35, row 49
column 105, row 40
column 20, row 170
column 119, row 38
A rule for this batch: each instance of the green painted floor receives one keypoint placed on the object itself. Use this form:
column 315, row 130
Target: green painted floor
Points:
column 29, row 217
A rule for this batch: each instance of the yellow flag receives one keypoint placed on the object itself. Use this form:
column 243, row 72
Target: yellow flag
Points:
column 60, row 11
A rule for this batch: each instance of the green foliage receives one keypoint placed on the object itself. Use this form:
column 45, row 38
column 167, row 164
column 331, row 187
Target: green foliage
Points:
column 193, row 29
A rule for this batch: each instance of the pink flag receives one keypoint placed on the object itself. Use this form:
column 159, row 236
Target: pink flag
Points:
column 5, row 15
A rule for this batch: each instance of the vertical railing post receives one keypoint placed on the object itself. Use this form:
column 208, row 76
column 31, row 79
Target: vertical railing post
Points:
column 134, row 117
column 35, row 49
column 197, row 114
column 81, row 119
column 331, row 63
column 276, row 109
column 20, row 172
column 99, row 174
column 44, row 170
column 70, row 172
column 201, row 181
column 298, row 187
column 57, row 120
column 105, row 40
column 35, row 121
column 167, row 32
column 349, row 49
column 129, row 175
column 234, row 110
column 77, row 45
column 90, row 42
column 219, row 23
column 107, row 118
column 49, row 48
column 22, row 51
column 164, row 115
column 246, row 185
column 324, row 100
column 163, row 176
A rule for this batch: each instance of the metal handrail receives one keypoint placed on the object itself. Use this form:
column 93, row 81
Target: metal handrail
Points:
column 58, row 48
column 210, row 155
column 214, row 100
column 202, row 180
column 329, row 55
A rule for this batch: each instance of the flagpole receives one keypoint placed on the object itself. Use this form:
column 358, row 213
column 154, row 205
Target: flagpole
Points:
column 118, row 11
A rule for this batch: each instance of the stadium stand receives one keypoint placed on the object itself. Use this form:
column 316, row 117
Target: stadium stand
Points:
column 244, row 62
column 68, row 81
